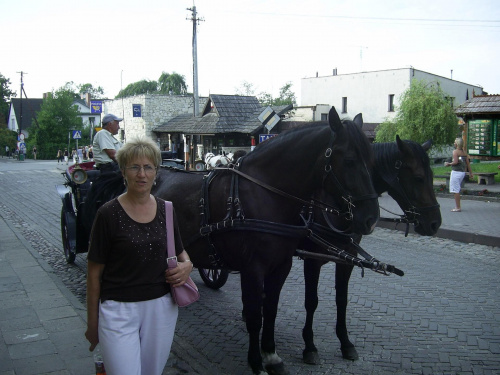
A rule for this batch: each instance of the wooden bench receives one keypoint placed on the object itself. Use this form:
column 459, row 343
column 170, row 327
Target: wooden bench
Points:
column 486, row 178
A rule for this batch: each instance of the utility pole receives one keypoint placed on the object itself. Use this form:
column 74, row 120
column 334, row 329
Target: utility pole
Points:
column 361, row 57
column 21, row 103
column 195, row 59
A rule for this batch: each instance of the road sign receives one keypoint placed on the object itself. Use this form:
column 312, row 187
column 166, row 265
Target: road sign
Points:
column 265, row 137
column 77, row 134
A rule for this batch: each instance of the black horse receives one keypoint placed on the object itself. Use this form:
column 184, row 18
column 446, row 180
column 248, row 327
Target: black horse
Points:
column 250, row 214
column 403, row 170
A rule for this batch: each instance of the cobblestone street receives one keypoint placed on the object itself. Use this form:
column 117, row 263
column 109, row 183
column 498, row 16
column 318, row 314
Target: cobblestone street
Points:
column 442, row 317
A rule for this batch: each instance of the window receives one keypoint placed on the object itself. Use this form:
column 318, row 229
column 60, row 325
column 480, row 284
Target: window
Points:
column 324, row 117
column 391, row 103
column 344, row 104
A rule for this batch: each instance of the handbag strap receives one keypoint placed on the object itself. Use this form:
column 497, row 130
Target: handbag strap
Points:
column 169, row 223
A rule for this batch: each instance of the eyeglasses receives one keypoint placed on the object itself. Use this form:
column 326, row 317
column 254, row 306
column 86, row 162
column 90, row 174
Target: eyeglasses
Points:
column 148, row 169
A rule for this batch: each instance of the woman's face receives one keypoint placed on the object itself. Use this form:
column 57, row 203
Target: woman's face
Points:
column 140, row 174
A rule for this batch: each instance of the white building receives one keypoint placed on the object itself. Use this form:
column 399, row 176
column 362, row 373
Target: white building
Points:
column 375, row 94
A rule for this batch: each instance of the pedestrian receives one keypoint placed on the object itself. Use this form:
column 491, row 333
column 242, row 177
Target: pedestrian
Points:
column 59, row 156
column 130, row 311
column 74, row 155
column 91, row 154
column 7, row 151
column 459, row 165
column 34, row 152
column 66, row 156
column 106, row 146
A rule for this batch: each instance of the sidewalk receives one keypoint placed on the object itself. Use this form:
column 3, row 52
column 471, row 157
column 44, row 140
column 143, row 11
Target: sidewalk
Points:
column 41, row 322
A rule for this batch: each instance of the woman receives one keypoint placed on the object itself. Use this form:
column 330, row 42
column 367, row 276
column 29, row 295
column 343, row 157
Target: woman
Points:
column 460, row 163
column 130, row 311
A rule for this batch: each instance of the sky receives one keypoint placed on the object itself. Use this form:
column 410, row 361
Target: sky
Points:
column 112, row 43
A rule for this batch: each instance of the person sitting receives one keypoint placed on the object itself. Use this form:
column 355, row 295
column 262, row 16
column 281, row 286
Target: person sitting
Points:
column 105, row 145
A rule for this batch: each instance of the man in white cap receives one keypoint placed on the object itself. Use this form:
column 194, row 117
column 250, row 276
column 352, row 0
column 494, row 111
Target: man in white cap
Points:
column 105, row 145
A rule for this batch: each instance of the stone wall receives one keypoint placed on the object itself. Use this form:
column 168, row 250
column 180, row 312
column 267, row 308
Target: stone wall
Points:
column 155, row 110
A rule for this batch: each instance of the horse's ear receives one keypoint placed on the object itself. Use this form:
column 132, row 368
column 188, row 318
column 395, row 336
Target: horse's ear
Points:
column 404, row 149
column 358, row 120
column 427, row 145
column 334, row 120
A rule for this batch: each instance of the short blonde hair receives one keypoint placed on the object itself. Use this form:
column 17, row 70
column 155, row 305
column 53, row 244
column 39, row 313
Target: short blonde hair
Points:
column 138, row 148
column 460, row 143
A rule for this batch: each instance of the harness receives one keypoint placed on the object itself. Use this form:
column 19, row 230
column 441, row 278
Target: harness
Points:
column 235, row 219
column 411, row 213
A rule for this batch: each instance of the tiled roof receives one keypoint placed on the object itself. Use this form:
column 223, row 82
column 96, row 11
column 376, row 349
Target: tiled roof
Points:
column 30, row 108
column 486, row 104
column 222, row 114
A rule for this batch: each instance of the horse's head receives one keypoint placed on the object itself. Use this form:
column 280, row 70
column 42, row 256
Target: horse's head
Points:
column 405, row 172
column 347, row 180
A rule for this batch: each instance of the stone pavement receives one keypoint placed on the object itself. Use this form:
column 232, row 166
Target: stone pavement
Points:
column 42, row 322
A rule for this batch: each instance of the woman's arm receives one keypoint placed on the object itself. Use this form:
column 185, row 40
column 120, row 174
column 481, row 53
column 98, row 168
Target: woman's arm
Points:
column 94, row 274
column 454, row 159
column 471, row 175
column 179, row 275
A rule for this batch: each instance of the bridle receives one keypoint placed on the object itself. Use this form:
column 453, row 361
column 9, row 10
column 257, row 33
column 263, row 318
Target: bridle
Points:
column 411, row 213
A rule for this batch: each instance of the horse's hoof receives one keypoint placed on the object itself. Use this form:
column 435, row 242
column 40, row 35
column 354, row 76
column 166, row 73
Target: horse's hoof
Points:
column 350, row 353
column 311, row 358
column 277, row 369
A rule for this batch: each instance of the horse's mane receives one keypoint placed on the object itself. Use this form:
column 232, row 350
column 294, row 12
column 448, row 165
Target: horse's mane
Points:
column 387, row 154
column 354, row 133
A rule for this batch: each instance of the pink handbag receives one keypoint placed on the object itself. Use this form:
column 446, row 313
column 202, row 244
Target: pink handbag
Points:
column 187, row 293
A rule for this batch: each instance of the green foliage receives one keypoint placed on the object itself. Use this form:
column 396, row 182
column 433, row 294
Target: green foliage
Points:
column 7, row 138
column 56, row 119
column 167, row 83
column 174, row 84
column 87, row 88
column 424, row 113
column 137, row 88
column 286, row 97
column 5, row 94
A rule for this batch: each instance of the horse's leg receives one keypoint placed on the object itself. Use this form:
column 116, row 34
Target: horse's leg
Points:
column 342, row 276
column 272, row 289
column 312, row 269
column 251, row 296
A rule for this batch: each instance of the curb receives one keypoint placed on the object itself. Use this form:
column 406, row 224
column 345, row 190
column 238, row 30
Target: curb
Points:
column 449, row 234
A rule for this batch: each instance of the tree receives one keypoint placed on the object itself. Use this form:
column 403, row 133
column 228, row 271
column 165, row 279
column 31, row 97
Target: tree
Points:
column 172, row 84
column 246, row 89
column 7, row 138
column 286, row 96
column 56, row 119
column 87, row 88
column 424, row 113
column 137, row 88
column 5, row 94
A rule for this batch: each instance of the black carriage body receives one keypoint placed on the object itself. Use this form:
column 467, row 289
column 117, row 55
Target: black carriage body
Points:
column 73, row 195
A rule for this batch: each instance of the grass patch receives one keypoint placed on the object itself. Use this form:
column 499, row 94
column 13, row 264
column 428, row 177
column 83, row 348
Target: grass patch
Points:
column 476, row 168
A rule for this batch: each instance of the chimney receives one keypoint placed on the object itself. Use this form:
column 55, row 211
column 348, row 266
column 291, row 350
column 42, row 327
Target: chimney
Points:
column 335, row 71
column 87, row 98
column 316, row 74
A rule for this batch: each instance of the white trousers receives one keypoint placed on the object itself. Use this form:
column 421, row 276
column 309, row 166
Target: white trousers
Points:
column 136, row 337
column 456, row 179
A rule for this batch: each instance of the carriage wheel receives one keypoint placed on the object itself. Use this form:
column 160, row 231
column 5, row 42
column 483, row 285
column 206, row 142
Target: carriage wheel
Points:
column 214, row 278
column 69, row 253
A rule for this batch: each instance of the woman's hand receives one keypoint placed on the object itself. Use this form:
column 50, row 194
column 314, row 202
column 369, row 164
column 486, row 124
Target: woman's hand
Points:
column 178, row 276
column 92, row 336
